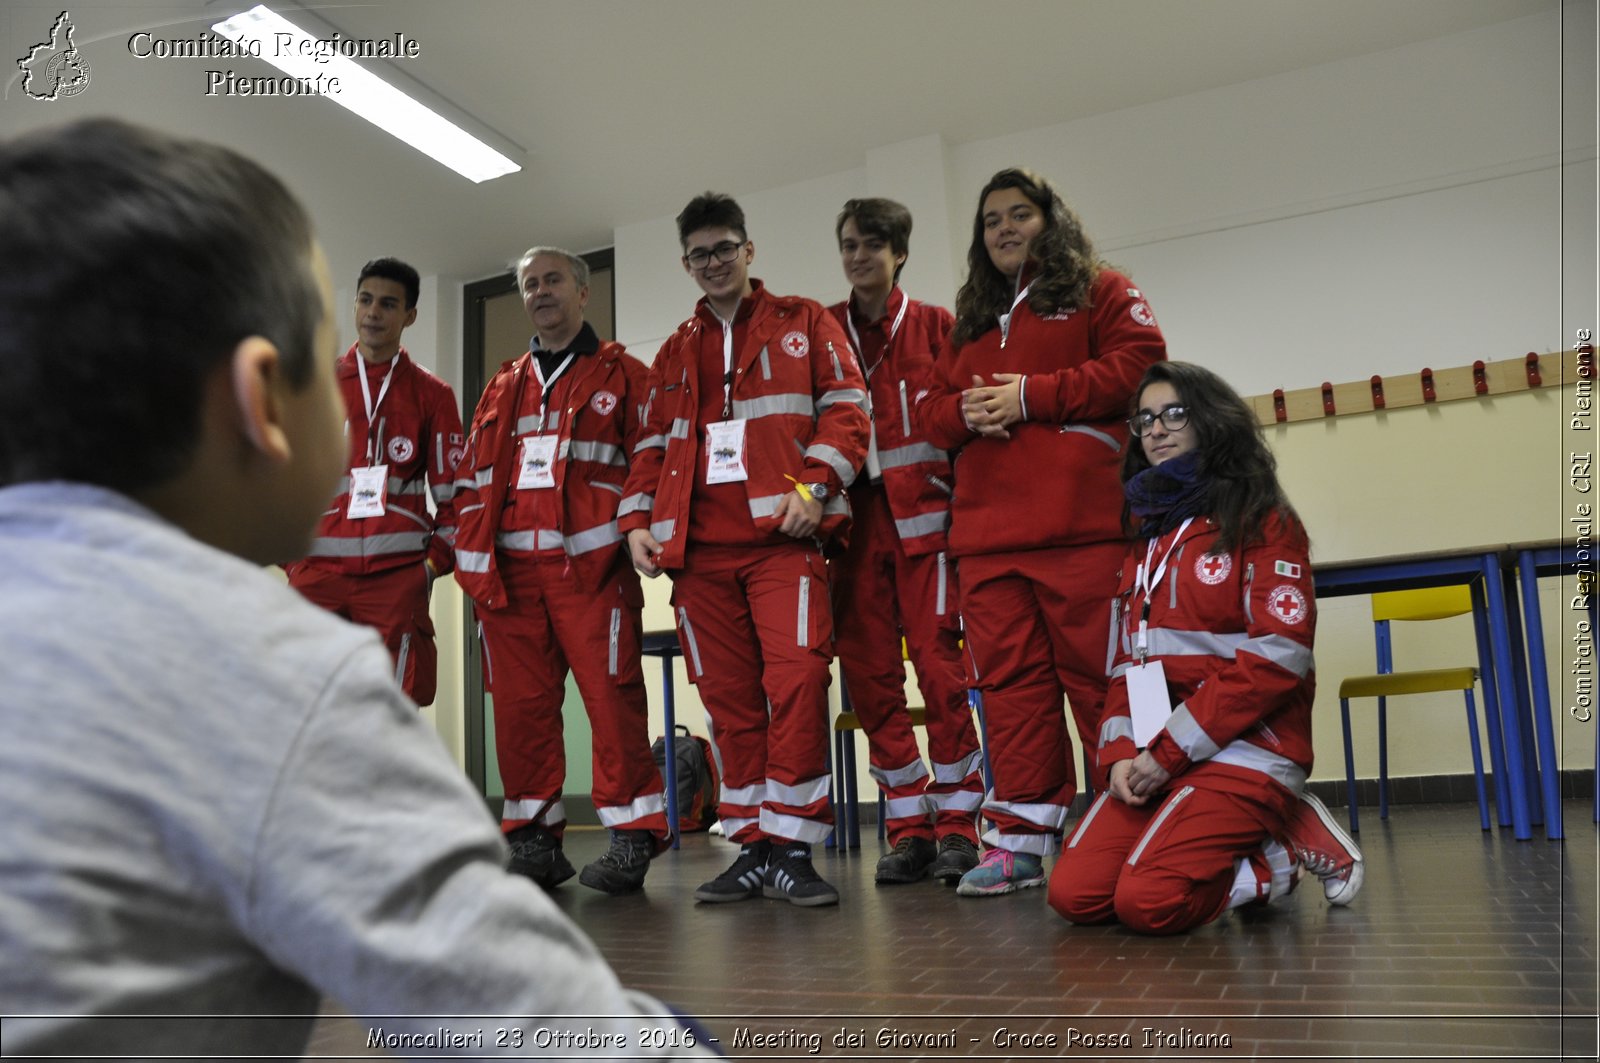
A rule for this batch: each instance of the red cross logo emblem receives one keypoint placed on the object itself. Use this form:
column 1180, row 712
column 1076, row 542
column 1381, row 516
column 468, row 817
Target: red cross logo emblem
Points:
column 1212, row 569
column 603, row 402
column 401, row 449
column 795, row 344
column 1287, row 603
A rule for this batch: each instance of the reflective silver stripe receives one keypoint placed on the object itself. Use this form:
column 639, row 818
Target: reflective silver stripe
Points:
column 615, row 816
column 836, row 506
column 1282, row 651
column 791, row 403
column 640, row 503
column 1111, row 639
column 910, row 454
column 942, row 587
column 599, row 453
column 395, row 486
column 462, row 485
column 854, row 396
column 838, row 370
column 1155, row 824
column 464, row 510
column 1171, row 642
column 833, row 459
column 1114, row 728
column 802, row 618
column 616, row 635
column 766, row 364
column 615, row 489
column 1088, row 818
column 680, row 429
column 765, row 505
column 529, row 424
column 447, row 532
column 905, row 807
column 905, row 411
column 369, row 546
column 1177, row 566
column 1249, row 583
column 656, row 442
column 444, row 493
column 956, row 801
column 401, row 658
column 753, row 794
column 1242, row 754
column 539, row 539
column 402, row 511
column 803, row 793
column 473, row 560
column 778, row 825
column 922, row 524
column 529, row 808
column 596, row 538
column 662, row 530
column 951, row 774
column 1189, row 735
column 483, row 478
column 902, row 776
column 488, row 662
column 1110, row 441
column 694, row 655
column 1050, row 817
column 1036, row 844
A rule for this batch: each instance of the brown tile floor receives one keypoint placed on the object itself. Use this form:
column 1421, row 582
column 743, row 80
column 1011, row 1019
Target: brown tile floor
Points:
column 1462, row 945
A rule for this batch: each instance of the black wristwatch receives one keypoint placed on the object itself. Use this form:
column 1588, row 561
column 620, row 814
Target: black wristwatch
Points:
column 818, row 491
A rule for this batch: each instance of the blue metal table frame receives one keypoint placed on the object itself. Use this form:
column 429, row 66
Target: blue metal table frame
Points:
column 1532, row 561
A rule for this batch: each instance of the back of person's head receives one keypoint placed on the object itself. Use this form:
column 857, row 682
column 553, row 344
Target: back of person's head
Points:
column 1064, row 263
column 392, row 269
column 1232, row 455
column 711, row 210
column 134, row 263
column 883, row 218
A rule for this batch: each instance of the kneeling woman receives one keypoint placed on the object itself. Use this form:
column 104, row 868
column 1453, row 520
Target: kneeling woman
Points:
column 1207, row 725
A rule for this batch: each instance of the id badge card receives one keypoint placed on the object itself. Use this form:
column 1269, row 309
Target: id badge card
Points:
column 369, row 491
column 1148, row 701
column 725, row 462
column 537, row 463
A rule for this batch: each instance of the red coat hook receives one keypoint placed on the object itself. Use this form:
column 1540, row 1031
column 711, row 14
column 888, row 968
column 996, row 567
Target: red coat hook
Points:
column 1327, row 400
column 1428, row 394
column 1480, row 378
column 1532, row 363
column 1279, row 412
column 1586, row 361
column 1377, row 392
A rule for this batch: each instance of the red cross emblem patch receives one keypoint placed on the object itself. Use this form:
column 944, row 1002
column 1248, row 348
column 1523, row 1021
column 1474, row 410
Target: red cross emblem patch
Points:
column 795, row 344
column 1287, row 603
column 401, row 449
column 603, row 403
column 1212, row 570
column 1140, row 312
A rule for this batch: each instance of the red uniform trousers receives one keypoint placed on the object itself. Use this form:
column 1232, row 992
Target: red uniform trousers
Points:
column 549, row 625
column 395, row 603
column 879, row 593
column 757, row 636
column 1037, row 624
column 1168, row 866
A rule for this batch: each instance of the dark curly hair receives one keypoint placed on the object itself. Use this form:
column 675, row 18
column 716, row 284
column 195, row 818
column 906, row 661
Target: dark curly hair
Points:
column 1243, row 491
column 1066, row 262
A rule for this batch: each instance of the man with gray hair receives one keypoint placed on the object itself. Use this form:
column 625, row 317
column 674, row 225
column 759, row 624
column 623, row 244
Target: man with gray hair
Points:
column 539, row 554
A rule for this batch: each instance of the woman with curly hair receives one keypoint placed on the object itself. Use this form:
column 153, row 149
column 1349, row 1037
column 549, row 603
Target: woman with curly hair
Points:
column 1048, row 346
column 1207, row 728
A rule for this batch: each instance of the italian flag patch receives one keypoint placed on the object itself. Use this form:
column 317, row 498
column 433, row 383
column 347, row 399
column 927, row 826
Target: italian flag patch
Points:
column 1285, row 568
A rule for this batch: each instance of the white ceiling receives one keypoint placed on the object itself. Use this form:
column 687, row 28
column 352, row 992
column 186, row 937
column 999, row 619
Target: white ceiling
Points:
column 628, row 107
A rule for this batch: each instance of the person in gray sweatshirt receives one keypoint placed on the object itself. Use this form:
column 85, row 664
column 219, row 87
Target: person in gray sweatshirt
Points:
column 216, row 805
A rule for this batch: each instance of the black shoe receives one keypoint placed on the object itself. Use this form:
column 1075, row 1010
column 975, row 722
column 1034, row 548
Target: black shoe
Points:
column 790, row 877
column 957, row 856
column 908, row 863
column 742, row 881
column 536, row 853
column 622, row 868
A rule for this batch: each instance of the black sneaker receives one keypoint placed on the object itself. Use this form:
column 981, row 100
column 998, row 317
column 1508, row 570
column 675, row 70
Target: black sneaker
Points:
column 742, row 881
column 957, row 856
column 908, row 863
column 790, row 877
column 622, row 868
column 536, row 854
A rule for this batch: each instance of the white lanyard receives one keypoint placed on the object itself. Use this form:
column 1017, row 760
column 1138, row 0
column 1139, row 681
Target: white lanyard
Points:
column 855, row 339
column 1147, row 582
column 366, row 396
column 1005, row 318
column 545, row 385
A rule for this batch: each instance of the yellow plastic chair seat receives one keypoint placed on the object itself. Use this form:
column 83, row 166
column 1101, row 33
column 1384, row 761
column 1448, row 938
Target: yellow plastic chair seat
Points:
column 1424, row 682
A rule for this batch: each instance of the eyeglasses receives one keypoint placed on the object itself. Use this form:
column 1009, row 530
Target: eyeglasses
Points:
column 1172, row 418
column 700, row 258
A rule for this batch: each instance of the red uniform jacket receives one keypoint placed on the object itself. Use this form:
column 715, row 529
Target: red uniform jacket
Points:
column 917, row 477
column 800, row 393
column 418, row 435
column 1056, row 481
column 595, row 413
column 1233, row 633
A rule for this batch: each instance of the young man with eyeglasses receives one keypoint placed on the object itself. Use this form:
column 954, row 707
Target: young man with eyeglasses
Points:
column 378, row 548
column 540, row 555
column 893, row 579
column 755, row 424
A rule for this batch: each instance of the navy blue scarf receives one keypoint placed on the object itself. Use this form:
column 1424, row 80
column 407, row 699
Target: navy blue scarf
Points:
column 1164, row 496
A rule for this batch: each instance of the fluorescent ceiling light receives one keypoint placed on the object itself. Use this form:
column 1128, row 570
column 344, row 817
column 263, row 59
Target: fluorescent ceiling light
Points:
column 366, row 94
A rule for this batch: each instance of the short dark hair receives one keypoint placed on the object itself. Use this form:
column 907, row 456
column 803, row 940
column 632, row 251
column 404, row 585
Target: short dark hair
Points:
column 711, row 210
column 884, row 218
column 392, row 269
column 135, row 263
